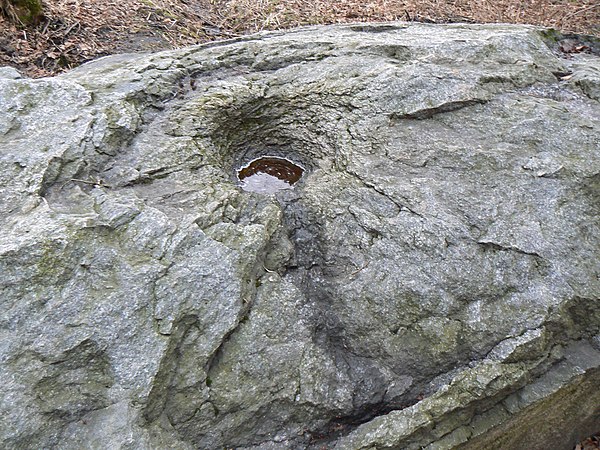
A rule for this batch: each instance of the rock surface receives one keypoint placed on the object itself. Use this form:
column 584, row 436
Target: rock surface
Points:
column 432, row 281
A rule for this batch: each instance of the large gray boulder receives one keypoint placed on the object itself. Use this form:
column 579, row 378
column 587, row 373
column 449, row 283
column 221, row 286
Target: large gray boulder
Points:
column 431, row 281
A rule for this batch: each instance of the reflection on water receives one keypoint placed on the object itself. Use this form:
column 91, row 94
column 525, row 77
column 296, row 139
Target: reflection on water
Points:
column 269, row 174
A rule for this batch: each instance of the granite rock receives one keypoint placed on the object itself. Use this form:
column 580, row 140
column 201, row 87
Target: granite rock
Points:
column 432, row 280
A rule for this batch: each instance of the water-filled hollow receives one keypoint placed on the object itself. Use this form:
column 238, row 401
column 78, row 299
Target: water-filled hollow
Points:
column 269, row 174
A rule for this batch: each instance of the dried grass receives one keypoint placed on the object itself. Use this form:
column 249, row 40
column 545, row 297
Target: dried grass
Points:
column 243, row 15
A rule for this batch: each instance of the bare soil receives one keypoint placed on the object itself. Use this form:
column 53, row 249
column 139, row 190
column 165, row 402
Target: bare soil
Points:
column 74, row 31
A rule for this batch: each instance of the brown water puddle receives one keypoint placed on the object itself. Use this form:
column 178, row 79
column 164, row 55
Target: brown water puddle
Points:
column 269, row 174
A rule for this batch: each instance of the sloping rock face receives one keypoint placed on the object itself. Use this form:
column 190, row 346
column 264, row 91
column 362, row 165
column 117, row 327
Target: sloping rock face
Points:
column 431, row 281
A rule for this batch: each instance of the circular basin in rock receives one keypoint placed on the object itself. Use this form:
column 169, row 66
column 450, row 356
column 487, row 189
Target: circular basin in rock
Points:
column 269, row 174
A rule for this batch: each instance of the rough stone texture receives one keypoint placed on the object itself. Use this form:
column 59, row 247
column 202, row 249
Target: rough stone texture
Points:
column 433, row 281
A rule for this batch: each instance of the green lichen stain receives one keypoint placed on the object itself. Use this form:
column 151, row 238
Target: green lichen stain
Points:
column 49, row 265
column 28, row 11
column 551, row 35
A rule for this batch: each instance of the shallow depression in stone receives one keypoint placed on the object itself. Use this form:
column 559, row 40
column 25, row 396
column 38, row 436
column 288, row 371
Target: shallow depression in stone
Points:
column 269, row 174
